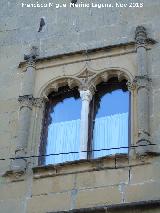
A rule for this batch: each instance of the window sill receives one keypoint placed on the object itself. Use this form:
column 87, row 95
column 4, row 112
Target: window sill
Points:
column 80, row 166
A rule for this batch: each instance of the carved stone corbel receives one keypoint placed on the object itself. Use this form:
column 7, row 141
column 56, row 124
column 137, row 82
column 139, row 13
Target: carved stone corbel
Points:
column 31, row 58
column 141, row 37
column 26, row 101
column 29, row 101
column 142, row 81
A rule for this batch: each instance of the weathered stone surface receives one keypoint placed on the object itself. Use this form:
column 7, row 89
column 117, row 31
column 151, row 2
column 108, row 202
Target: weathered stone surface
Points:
column 102, row 178
column 12, row 205
column 150, row 172
column 13, row 190
column 46, row 203
column 53, row 184
column 98, row 196
column 142, row 191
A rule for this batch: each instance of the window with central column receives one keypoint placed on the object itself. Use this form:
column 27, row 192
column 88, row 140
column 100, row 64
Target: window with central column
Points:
column 79, row 124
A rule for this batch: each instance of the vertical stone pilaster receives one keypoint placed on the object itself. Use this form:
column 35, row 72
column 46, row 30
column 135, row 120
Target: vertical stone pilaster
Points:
column 86, row 97
column 26, row 102
column 142, row 82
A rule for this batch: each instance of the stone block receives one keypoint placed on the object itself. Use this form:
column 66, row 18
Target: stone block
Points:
column 145, row 173
column 98, row 196
column 48, row 203
column 53, row 184
column 13, row 190
column 102, row 178
column 13, row 205
column 142, row 191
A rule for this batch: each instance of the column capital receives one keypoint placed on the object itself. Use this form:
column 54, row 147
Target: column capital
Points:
column 29, row 101
column 31, row 58
column 86, row 95
column 131, row 85
column 141, row 36
column 142, row 81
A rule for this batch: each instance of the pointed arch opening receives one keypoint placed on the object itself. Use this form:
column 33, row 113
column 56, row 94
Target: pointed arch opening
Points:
column 60, row 140
column 109, row 119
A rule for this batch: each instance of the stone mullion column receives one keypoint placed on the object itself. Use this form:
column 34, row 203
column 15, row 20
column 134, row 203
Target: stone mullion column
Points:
column 26, row 102
column 142, row 82
column 86, row 97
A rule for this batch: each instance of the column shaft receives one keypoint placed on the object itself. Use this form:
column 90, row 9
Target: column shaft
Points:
column 26, row 101
column 142, row 81
column 86, row 97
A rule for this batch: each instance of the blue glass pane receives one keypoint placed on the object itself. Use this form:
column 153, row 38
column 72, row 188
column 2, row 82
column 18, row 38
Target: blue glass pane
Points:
column 111, row 124
column 64, row 131
column 114, row 103
column 68, row 109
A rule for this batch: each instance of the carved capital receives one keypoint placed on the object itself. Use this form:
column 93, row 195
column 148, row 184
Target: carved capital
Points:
column 29, row 101
column 31, row 58
column 142, row 81
column 85, row 80
column 131, row 85
column 86, row 95
column 141, row 36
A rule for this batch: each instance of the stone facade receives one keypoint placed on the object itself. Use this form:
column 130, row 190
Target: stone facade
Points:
column 42, row 49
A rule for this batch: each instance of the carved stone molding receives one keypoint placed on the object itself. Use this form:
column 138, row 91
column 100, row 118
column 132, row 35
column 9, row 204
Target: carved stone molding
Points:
column 29, row 101
column 141, row 36
column 31, row 58
column 142, row 81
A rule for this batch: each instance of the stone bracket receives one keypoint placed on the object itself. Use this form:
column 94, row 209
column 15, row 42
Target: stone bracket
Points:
column 143, row 82
column 139, row 82
column 29, row 101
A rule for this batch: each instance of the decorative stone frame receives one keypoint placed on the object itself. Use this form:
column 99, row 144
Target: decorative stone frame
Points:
column 86, row 81
column 32, row 99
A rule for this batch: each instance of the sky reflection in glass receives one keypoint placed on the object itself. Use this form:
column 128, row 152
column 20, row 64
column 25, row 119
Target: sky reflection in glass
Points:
column 67, row 110
column 113, row 103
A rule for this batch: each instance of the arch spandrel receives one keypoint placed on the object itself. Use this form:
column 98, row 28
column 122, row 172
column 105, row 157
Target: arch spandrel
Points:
column 85, row 79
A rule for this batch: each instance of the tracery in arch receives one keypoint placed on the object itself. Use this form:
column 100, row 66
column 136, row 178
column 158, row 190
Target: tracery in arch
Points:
column 97, row 83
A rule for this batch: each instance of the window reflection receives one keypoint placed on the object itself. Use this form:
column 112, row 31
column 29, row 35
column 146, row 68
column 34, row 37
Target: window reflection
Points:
column 110, row 119
column 64, row 127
